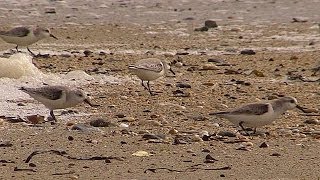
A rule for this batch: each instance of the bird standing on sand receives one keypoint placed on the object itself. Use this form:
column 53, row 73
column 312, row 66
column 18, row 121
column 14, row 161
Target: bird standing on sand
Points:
column 57, row 97
column 25, row 36
column 150, row 69
column 259, row 114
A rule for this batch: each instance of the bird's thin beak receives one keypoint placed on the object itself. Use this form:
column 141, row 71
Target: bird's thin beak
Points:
column 300, row 108
column 172, row 71
column 88, row 102
column 51, row 35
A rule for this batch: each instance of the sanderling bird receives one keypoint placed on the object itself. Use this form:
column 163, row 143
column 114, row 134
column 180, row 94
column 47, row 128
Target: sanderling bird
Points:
column 259, row 114
column 150, row 69
column 25, row 36
column 57, row 97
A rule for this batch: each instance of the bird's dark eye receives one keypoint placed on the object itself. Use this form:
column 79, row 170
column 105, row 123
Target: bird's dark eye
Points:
column 292, row 101
column 80, row 95
column 46, row 30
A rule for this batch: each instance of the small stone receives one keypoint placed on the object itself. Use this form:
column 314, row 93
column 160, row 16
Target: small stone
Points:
column 173, row 131
column 258, row 73
column 183, row 85
column 226, row 134
column 5, row 144
column 310, row 110
column 196, row 138
column 206, row 150
column 276, row 154
column 70, row 138
column 87, row 53
column 35, row 119
column 217, row 61
column 209, row 67
column 264, row 145
column 153, row 136
column 101, row 123
column 299, row 20
column 50, row 10
column 312, row 121
column 32, row 165
column 248, row 52
column 248, row 144
column 178, row 64
column 120, row 115
column 210, row 24
column 202, row 29
column 210, row 159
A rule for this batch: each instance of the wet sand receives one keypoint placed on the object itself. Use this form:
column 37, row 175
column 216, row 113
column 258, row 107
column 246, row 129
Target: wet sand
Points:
column 105, row 38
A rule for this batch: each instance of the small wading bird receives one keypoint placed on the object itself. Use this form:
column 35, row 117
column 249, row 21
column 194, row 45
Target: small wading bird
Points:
column 259, row 114
column 57, row 97
column 150, row 69
column 25, row 36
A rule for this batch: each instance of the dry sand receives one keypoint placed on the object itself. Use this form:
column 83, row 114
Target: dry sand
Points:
column 120, row 33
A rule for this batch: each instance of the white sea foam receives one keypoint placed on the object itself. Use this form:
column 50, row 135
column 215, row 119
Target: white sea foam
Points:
column 18, row 70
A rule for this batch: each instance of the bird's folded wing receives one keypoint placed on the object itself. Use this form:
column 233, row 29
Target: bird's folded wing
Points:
column 18, row 32
column 150, row 67
column 252, row 109
column 48, row 92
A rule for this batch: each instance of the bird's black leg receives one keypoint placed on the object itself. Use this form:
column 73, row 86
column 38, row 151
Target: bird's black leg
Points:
column 241, row 125
column 17, row 49
column 148, row 84
column 52, row 115
column 144, row 85
column 255, row 131
column 31, row 52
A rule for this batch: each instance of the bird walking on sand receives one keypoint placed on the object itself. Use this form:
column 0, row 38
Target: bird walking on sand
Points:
column 25, row 36
column 259, row 114
column 150, row 69
column 57, row 97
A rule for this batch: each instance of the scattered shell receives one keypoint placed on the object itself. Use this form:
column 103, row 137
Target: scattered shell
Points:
column 210, row 159
column 227, row 134
column 141, row 154
column 123, row 125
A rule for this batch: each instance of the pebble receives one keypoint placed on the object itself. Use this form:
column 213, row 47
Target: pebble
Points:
column 153, row 136
column 210, row 24
column 217, row 61
column 227, row 134
column 248, row 52
column 179, row 64
column 50, row 10
column 35, row 119
column 206, row 150
column 183, row 85
column 173, row 131
column 299, row 20
column 202, row 29
column 141, row 154
column 5, row 143
column 264, row 145
column 210, row 159
column 216, row 125
column 312, row 121
column 276, row 154
column 209, row 67
column 196, row 138
column 123, row 125
column 81, row 127
column 310, row 110
column 101, row 123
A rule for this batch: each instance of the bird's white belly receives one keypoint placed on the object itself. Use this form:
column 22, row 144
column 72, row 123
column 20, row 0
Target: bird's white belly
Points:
column 146, row 75
column 20, row 41
column 252, row 120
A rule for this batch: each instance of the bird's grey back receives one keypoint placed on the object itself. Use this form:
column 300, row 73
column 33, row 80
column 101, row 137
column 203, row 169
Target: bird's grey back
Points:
column 48, row 92
column 17, row 32
column 251, row 109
